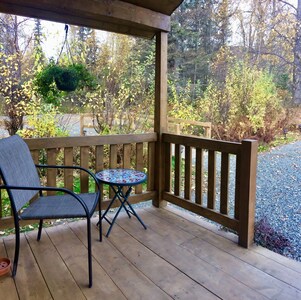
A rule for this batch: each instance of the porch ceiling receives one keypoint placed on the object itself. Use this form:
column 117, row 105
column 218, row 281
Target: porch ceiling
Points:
column 142, row 18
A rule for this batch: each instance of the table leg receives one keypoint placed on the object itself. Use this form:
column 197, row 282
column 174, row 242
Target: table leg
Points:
column 120, row 196
column 134, row 213
column 123, row 198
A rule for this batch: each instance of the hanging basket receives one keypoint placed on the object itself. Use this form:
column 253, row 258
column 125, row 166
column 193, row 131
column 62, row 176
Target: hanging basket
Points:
column 55, row 77
column 67, row 80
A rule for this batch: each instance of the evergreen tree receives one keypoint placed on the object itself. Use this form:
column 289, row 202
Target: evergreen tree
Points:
column 39, row 55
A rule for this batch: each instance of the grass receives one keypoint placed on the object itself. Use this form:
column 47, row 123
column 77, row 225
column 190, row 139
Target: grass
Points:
column 279, row 141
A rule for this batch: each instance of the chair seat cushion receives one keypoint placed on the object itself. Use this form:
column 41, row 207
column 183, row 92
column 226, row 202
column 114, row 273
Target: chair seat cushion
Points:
column 59, row 207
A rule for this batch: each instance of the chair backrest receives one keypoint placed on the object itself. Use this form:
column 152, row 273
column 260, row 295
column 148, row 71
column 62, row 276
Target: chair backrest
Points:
column 17, row 168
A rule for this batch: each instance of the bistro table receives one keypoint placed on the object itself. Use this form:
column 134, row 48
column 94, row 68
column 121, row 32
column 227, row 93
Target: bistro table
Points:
column 118, row 179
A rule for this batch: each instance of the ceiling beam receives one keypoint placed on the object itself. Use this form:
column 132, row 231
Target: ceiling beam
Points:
column 109, row 15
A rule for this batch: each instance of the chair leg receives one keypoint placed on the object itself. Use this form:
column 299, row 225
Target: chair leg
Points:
column 40, row 230
column 17, row 248
column 89, row 251
column 100, row 223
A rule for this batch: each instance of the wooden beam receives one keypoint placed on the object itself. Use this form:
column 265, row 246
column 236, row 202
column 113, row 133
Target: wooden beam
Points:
column 115, row 16
column 247, row 198
column 79, row 141
column 160, row 119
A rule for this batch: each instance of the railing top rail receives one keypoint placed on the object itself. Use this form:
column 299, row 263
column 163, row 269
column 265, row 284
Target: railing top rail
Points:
column 80, row 141
column 198, row 142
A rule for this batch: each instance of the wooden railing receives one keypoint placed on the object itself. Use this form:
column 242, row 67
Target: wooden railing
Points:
column 174, row 125
column 95, row 153
column 214, row 179
column 191, row 180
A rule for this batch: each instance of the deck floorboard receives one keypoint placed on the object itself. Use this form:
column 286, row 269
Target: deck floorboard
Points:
column 179, row 256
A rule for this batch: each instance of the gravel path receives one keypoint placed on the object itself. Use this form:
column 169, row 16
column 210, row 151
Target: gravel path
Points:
column 278, row 196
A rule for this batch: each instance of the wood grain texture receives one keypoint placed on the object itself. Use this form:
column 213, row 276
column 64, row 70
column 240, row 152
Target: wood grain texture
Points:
column 188, row 173
column 35, row 156
column 79, row 141
column 116, row 16
column 224, row 201
column 202, row 211
column 51, row 173
column 179, row 256
column 68, row 174
column 139, row 164
column 247, row 192
column 151, row 166
column 160, row 118
column 84, row 162
column 199, row 174
column 167, row 165
column 178, row 160
column 126, row 153
column 211, row 179
column 197, row 142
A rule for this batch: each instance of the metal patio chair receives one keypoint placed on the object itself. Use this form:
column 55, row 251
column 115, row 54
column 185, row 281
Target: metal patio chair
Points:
column 21, row 180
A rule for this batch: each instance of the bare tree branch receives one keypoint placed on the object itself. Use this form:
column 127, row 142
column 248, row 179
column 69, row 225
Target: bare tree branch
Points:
column 289, row 4
column 273, row 54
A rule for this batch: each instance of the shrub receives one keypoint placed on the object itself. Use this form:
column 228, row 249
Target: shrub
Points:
column 267, row 237
column 246, row 105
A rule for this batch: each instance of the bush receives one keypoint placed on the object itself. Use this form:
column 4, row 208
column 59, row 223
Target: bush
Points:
column 246, row 105
column 267, row 237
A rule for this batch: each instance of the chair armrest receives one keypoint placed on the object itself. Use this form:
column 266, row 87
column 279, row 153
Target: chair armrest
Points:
column 71, row 167
column 44, row 188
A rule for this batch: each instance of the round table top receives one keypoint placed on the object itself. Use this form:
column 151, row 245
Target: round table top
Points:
column 119, row 177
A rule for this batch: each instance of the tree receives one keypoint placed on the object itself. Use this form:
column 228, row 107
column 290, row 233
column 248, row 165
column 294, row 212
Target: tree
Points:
column 199, row 29
column 122, row 100
column 14, row 84
column 297, row 56
column 246, row 105
column 39, row 55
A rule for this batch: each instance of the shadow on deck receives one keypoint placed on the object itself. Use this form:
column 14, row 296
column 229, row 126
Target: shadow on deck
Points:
column 177, row 257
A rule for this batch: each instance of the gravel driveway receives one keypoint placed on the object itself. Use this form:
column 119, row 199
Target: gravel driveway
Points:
column 278, row 196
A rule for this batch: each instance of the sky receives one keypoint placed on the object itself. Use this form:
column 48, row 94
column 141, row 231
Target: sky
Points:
column 54, row 37
column 55, row 33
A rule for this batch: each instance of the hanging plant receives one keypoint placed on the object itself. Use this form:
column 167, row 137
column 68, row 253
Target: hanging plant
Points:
column 55, row 77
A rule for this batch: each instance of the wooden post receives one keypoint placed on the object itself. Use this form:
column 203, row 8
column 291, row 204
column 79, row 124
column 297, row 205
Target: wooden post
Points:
column 247, row 192
column 160, row 119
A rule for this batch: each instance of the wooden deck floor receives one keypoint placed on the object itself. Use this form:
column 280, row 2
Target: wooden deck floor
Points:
column 175, row 258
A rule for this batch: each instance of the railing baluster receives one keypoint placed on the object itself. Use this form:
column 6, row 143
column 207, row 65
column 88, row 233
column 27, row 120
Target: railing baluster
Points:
column 139, row 164
column 211, row 179
column 127, row 148
column 84, row 162
column 51, row 173
column 224, row 209
column 113, row 163
column 151, row 167
column 237, row 186
column 199, row 176
column 188, row 173
column 68, row 174
column 167, row 164
column 99, row 166
column 177, row 169
column 35, row 156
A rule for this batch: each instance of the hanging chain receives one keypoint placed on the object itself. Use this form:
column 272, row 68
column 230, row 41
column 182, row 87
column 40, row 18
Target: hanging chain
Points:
column 67, row 46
